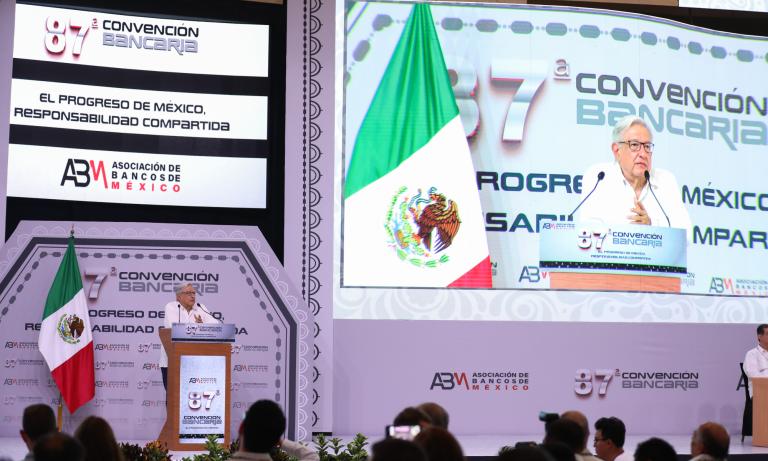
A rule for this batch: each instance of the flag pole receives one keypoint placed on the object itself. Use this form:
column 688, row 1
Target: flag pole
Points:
column 60, row 408
column 60, row 414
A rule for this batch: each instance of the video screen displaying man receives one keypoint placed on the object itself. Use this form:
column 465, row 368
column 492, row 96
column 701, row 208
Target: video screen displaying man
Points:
column 623, row 190
column 185, row 309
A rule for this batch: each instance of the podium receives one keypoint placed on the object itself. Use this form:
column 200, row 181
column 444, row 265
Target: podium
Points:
column 760, row 412
column 199, row 373
column 595, row 256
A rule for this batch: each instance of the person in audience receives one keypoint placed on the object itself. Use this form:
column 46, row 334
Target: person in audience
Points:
column 756, row 360
column 98, row 439
column 261, row 432
column 58, row 446
column 559, row 451
column 36, row 421
column 397, row 450
column 710, row 442
column 583, row 453
column 436, row 413
column 439, row 444
column 524, row 453
column 565, row 431
column 655, row 449
column 609, row 439
column 412, row 416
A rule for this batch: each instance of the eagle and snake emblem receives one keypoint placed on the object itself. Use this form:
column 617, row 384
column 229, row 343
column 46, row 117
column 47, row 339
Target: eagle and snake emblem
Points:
column 70, row 328
column 421, row 226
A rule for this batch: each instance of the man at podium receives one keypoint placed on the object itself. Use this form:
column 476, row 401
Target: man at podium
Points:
column 756, row 360
column 185, row 309
column 629, row 190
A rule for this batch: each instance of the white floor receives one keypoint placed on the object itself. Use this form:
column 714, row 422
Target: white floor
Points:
column 474, row 445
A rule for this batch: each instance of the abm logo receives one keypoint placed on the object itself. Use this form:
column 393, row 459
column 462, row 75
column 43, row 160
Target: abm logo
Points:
column 532, row 274
column 447, row 381
column 79, row 172
column 720, row 285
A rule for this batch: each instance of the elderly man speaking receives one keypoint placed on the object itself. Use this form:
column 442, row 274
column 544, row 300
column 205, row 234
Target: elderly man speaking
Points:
column 185, row 309
column 629, row 190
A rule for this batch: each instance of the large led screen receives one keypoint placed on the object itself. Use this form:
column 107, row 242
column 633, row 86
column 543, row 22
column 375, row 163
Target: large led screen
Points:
column 538, row 90
column 143, row 111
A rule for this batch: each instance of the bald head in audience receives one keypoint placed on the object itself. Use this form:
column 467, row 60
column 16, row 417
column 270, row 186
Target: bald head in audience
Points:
column 710, row 441
column 580, row 419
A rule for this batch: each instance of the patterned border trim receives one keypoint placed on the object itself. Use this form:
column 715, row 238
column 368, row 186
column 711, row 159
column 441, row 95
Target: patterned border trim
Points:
column 311, row 155
column 583, row 31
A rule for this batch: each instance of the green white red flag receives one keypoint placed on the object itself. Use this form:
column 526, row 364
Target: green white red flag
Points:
column 65, row 334
column 412, row 214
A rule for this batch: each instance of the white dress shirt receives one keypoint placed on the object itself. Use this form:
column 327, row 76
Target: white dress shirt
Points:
column 614, row 198
column 756, row 364
column 175, row 313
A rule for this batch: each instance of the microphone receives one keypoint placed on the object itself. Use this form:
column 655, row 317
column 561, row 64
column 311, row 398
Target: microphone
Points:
column 207, row 312
column 178, row 314
column 600, row 177
column 648, row 178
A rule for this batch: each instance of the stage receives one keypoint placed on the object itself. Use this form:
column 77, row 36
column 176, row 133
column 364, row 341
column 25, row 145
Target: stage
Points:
column 481, row 447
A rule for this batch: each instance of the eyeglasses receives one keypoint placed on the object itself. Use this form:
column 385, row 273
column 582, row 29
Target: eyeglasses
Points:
column 600, row 440
column 634, row 146
column 188, row 293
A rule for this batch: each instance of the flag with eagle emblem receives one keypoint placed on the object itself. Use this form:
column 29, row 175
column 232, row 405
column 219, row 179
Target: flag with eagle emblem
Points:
column 412, row 215
column 65, row 334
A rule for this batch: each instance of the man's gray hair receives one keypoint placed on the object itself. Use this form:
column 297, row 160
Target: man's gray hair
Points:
column 624, row 123
column 179, row 287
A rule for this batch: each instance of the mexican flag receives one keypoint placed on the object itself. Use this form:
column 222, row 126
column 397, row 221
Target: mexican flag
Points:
column 412, row 215
column 65, row 334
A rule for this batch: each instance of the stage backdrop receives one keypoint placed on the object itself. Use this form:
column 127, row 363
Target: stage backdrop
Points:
column 495, row 378
column 129, row 271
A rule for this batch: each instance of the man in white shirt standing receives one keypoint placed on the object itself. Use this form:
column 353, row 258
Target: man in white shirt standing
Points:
column 185, row 309
column 624, row 189
column 756, row 360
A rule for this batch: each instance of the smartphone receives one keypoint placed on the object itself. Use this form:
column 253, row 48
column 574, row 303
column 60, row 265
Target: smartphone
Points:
column 402, row 432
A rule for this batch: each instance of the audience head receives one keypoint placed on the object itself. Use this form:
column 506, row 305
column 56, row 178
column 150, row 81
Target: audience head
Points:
column 559, row 451
column 36, row 421
column 524, row 453
column 655, row 449
column 412, row 416
column 58, row 446
column 566, row 432
column 609, row 438
column 98, row 440
column 262, row 427
column 436, row 413
column 710, row 439
column 439, row 444
column 397, row 450
column 580, row 419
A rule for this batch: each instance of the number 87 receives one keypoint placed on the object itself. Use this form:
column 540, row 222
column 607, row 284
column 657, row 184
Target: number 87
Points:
column 583, row 381
column 56, row 39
